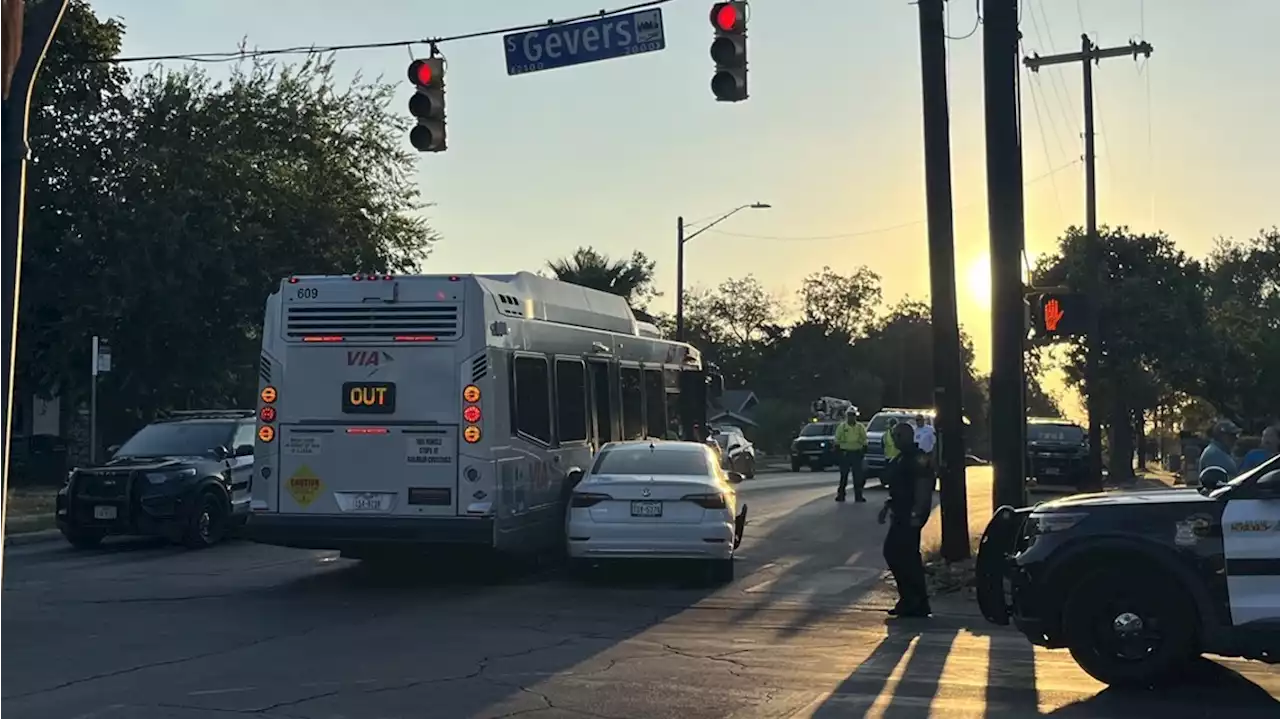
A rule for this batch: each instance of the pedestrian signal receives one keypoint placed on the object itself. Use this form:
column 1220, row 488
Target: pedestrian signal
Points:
column 1059, row 314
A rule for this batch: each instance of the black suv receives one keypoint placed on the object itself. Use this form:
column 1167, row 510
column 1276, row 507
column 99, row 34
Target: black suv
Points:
column 1136, row 584
column 1057, row 451
column 815, row 446
column 186, row 477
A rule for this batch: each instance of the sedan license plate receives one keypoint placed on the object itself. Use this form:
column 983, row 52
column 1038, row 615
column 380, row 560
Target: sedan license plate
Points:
column 104, row 512
column 646, row 509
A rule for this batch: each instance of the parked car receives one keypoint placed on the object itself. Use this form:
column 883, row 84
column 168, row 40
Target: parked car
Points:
column 656, row 500
column 1057, row 451
column 737, row 453
column 814, row 447
column 186, row 477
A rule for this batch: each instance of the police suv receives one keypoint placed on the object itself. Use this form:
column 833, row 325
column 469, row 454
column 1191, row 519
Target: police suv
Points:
column 186, row 477
column 1136, row 584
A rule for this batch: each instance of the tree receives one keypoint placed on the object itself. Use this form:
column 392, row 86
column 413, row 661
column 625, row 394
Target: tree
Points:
column 171, row 205
column 1152, row 312
column 844, row 303
column 631, row 278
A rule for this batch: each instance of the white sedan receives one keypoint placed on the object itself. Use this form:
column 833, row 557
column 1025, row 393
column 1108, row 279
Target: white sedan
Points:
column 656, row 500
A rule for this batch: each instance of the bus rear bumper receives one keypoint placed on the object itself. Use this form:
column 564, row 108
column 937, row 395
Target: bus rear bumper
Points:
column 346, row 533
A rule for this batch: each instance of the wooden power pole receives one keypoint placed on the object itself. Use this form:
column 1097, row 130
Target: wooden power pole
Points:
column 947, row 375
column 1088, row 55
column 27, row 36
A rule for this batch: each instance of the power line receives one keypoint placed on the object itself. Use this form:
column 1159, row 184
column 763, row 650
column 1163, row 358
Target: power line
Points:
column 218, row 57
column 977, row 21
column 880, row 230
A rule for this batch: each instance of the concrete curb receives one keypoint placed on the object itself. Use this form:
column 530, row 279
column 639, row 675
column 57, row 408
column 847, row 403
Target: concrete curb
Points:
column 40, row 535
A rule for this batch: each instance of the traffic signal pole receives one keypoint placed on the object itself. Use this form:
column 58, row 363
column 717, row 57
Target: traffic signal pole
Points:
column 942, row 280
column 1005, row 225
column 1089, row 54
column 26, row 41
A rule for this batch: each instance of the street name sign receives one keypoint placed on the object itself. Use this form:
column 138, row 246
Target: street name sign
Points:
column 602, row 38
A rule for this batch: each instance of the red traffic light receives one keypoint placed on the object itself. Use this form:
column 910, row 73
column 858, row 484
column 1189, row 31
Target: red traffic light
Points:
column 426, row 73
column 729, row 16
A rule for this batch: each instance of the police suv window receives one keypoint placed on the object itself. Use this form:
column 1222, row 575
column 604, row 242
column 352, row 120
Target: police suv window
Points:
column 531, row 396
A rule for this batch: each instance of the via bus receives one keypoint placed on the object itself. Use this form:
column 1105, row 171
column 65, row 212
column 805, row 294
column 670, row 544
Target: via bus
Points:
column 450, row 410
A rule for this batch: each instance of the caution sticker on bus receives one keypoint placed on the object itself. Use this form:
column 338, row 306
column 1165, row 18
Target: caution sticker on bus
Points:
column 369, row 397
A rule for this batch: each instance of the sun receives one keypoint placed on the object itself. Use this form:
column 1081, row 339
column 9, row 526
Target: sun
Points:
column 978, row 280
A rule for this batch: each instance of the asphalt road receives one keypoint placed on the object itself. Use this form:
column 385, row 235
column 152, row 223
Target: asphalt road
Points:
column 138, row 630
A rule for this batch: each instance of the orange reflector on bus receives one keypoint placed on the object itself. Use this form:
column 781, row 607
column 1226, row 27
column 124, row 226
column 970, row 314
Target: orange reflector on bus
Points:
column 268, row 394
column 322, row 338
column 266, row 433
column 471, row 414
column 471, row 434
column 366, row 430
column 471, row 393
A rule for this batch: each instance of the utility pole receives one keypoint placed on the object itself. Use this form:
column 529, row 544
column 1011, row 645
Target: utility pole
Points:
column 942, row 280
column 26, row 41
column 681, row 238
column 1005, row 226
column 1097, row 259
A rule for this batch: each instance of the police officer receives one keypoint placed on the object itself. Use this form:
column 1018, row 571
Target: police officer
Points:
column 910, row 499
column 851, row 444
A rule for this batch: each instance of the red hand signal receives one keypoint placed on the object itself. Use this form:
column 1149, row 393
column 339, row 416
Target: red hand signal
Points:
column 1053, row 314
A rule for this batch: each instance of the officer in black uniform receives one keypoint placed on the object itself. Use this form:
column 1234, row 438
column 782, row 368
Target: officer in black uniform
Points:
column 910, row 499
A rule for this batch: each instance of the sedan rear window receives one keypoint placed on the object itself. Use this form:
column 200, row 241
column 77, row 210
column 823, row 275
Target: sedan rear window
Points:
column 653, row 462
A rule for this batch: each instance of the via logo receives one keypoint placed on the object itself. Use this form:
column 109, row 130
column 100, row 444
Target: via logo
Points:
column 367, row 358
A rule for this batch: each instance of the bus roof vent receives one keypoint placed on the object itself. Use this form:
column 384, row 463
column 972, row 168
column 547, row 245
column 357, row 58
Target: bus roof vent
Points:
column 440, row 320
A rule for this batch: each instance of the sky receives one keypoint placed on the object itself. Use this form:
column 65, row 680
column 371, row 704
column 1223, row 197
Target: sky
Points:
column 610, row 154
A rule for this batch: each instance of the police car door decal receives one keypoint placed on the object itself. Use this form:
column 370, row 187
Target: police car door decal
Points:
column 1251, row 543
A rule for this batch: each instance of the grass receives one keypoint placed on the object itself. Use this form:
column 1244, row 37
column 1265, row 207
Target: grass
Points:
column 29, row 509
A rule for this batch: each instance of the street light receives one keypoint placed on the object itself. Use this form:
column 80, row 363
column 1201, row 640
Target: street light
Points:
column 681, row 239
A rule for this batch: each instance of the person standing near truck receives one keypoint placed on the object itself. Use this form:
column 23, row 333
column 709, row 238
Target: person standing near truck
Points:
column 851, row 443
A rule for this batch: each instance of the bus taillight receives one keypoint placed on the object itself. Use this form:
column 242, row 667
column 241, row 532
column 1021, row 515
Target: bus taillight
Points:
column 471, row 413
column 415, row 338
column 366, row 430
column 267, row 414
column 322, row 338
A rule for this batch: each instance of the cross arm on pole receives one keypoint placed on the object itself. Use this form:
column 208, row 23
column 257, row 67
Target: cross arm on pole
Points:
column 1134, row 49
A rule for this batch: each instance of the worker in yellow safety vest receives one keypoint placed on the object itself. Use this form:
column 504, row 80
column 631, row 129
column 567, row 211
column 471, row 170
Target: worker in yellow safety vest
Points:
column 851, row 443
column 890, row 449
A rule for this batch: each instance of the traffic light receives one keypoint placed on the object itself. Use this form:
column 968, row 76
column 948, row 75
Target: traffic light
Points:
column 427, row 104
column 729, row 51
column 1057, row 314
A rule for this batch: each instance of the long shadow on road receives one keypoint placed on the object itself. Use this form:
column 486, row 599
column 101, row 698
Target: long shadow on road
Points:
column 916, row 685
column 1209, row 690
column 317, row 637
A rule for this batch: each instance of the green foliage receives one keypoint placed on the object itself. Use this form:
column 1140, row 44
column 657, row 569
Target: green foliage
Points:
column 630, row 278
column 164, row 208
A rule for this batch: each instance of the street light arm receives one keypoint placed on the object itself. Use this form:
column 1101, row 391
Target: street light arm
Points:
column 716, row 221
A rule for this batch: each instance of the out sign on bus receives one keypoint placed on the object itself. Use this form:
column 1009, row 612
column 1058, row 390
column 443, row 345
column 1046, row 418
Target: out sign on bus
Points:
column 368, row 397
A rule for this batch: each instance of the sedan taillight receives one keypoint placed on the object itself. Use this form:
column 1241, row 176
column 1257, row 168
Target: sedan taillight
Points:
column 587, row 499
column 706, row 501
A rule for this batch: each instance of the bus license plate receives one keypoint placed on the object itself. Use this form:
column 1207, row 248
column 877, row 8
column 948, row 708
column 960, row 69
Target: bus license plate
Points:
column 368, row 397
column 646, row 509
column 371, row 502
column 104, row 512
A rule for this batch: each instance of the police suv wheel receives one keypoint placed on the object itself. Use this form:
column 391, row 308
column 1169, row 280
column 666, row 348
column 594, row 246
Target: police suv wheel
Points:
column 1130, row 629
column 795, row 465
column 207, row 524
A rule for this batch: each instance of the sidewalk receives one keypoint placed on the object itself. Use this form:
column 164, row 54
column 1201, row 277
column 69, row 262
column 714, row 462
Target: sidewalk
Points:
column 28, row 511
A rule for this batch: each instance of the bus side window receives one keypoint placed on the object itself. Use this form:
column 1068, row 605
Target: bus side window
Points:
column 655, row 397
column 632, row 403
column 532, row 398
column 571, row 401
